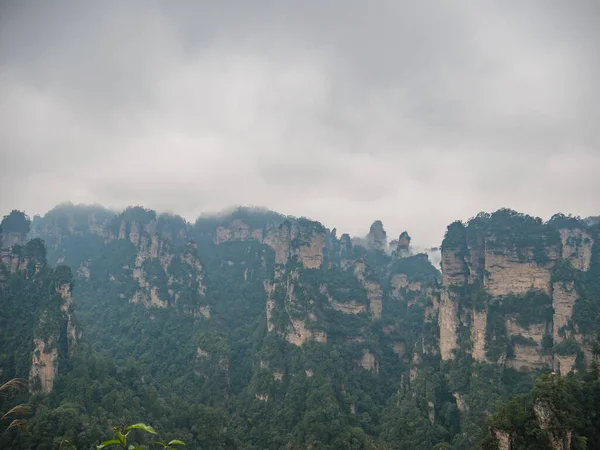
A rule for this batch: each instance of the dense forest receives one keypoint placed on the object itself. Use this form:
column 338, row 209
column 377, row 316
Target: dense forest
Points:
column 259, row 331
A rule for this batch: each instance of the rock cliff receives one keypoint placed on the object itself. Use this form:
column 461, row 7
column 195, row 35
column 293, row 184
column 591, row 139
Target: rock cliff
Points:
column 521, row 269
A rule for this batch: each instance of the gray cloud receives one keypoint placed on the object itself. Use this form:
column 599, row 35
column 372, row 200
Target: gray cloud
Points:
column 415, row 113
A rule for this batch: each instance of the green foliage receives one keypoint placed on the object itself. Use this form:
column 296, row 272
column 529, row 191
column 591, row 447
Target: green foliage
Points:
column 138, row 214
column 416, row 268
column 567, row 347
column 226, row 380
column 16, row 222
column 563, row 271
column 532, row 308
column 523, row 341
column 455, row 235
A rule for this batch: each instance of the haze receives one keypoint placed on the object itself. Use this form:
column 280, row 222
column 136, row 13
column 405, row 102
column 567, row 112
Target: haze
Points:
column 414, row 113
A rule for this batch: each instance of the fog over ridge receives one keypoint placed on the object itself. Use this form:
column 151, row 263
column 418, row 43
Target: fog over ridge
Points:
column 343, row 112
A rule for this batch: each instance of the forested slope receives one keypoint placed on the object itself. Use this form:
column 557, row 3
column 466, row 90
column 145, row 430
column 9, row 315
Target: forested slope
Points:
column 255, row 330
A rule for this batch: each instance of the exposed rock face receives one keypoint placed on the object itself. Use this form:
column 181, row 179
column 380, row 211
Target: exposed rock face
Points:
column 454, row 275
column 11, row 238
column 565, row 363
column 296, row 331
column 65, row 292
column 377, row 237
column 311, row 255
column 269, row 289
column 398, row 349
column 478, row 328
column 236, row 231
column 508, row 274
column 368, row 362
column 374, row 292
column 278, row 376
column 44, row 364
column 454, row 269
column 298, row 334
column 44, row 360
column 399, row 282
column 448, row 322
column 154, row 249
column 283, row 243
column 401, row 247
column 348, row 308
column 431, row 412
column 149, row 299
column 460, row 402
column 200, row 353
column 577, row 247
column 304, row 240
column 351, row 307
column 489, row 265
column 503, row 438
column 528, row 356
column 564, row 297
column 545, row 418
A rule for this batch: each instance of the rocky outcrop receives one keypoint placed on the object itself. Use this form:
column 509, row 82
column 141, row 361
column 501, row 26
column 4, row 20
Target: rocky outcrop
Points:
column 269, row 289
column 369, row 362
column 454, row 268
column 454, row 276
column 530, row 355
column 377, row 237
column 11, row 238
column 64, row 290
column 296, row 331
column 373, row 288
column 577, row 247
column 298, row 334
column 283, row 243
column 508, row 273
column 348, row 308
column 545, row 418
column 311, row 254
column 565, row 364
column 478, row 329
column 400, row 283
column 564, row 297
column 448, row 323
column 431, row 412
column 154, row 250
column 44, row 365
column 503, row 439
column 460, row 402
column 351, row 307
column 237, row 230
column 303, row 240
column 500, row 255
column 401, row 247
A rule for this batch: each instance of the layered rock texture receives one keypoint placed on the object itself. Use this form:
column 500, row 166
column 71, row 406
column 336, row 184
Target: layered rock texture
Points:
column 523, row 272
column 39, row 303
column 268, row 309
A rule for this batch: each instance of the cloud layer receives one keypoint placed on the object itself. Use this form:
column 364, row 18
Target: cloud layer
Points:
column 415, row 113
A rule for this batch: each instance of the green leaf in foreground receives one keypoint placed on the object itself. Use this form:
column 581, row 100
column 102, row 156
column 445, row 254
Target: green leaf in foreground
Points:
column 108, row 443
column 141, row 426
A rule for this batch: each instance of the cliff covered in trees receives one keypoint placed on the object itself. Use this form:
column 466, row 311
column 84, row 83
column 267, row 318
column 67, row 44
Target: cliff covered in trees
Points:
column 255, row 330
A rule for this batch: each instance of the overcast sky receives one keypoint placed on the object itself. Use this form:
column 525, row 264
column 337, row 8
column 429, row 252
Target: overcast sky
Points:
column 417, row 113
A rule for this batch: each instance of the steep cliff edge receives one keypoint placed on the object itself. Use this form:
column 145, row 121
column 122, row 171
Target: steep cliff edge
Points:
column 520, row 270
column 38, row 302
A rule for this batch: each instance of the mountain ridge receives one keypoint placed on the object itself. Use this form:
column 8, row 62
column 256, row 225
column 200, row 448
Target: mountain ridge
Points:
column 270, row 310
